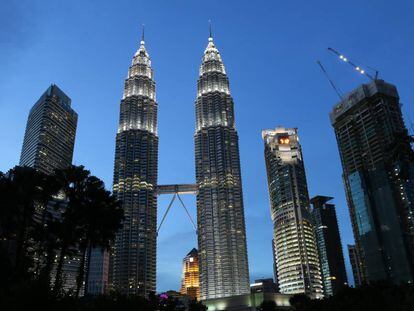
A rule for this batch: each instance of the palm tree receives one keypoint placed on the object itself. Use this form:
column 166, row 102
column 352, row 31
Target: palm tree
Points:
column 91, row 218
column 72, row 182
column 99, row 219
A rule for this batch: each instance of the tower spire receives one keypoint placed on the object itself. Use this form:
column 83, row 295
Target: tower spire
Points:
column 210, row 34
column 143, row 34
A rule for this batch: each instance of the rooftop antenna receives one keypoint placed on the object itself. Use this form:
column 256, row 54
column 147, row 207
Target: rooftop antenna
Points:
column 356, row 67
column 337, row 91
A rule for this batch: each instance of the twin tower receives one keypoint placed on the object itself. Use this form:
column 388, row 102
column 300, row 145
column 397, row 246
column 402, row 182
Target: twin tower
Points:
column 220, row 213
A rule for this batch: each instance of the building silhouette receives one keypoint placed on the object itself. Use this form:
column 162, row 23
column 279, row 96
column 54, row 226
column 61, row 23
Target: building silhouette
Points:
column 329, row 245
column 190, row 281
column 133, row 256
column 378, row 174
column 296, row 252
column 220, row 212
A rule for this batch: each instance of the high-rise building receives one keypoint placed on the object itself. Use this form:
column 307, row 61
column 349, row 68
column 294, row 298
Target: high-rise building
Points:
column 378, row 173
column 356, row 266
column 50, row 132
column 329, row 244
column 220, row 213
column 48, row 145
column 133, row 257
column 190, row 282
column 296, row 253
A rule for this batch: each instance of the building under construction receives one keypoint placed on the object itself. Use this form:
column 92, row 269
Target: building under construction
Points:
column 378, row 172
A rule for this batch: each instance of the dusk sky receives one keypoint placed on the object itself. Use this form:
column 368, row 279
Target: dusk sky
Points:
column 269, row 49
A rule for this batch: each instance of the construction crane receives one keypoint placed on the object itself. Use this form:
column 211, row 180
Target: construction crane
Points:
column 336, row 89
column 356, row 67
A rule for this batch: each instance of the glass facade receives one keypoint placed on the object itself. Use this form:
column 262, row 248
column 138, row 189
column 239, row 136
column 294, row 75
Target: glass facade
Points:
column 295, row 249
column 377, row 161
column 133, row 256
column 220, row 212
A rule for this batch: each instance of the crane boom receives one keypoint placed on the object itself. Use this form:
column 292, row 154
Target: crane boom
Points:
column 330, row 80
column 355, row 66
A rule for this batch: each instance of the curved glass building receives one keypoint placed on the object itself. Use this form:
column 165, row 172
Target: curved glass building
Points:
column 296, row 253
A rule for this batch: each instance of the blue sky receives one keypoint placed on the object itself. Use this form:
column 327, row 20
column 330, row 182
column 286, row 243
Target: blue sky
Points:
column 269, row 49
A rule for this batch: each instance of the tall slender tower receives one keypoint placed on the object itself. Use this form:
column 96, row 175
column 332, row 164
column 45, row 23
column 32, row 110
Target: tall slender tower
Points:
column 295, row 246
column 133, row 258
column 220, row 214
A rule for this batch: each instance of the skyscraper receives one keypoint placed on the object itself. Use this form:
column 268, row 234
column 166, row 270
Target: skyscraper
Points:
column 133, row 257
column 220, row 214
column 378, row 174
column 190, row 282
column 50, row 132
column 48, row 145
column 355, row 265
column 296, row 253
column 329, row 245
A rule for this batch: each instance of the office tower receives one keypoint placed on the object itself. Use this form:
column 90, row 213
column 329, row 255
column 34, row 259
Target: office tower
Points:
column 48, row 145
column 50, row 132
column 98, row 272
column 133, row 257
column 378, row 174
column 356, row 266
column 220, row 214
column 190, row 283
column 329, row 244
column 296, row 253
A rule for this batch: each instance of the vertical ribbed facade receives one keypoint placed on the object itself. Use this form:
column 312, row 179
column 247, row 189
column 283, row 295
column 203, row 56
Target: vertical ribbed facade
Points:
column 296, row 252
column 378, row 173
column 133, row 257
column 220, row 212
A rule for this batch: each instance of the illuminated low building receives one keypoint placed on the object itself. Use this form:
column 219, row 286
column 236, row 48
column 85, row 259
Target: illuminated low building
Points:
column 190, row 283
column 248, row 302
column 296, row 253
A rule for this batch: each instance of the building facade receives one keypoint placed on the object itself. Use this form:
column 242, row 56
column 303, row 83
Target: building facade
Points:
column 190, row 282
column 378, row 173
column 296, row 253
column 356, row 266
column 220, row 212
column 50, row 132
column 133, row 256
column 329, row 244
